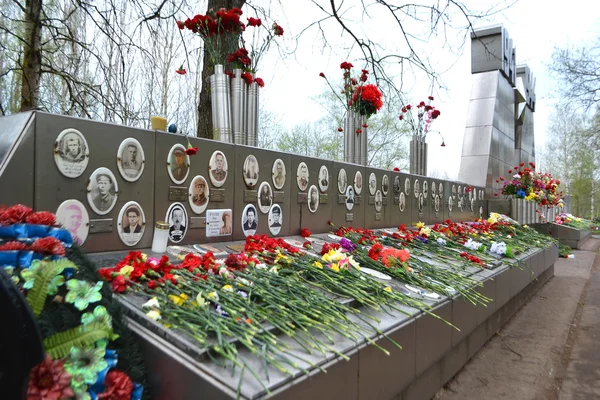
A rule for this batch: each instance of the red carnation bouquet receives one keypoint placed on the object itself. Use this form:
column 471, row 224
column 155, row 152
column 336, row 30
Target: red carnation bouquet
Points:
column 420, row 123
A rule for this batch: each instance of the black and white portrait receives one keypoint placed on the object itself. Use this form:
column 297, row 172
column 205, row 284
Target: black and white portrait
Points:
column 177, row 219
column 178, row 164
column 372, row 184
column 278, row 173
column 131, row 223
column 102, row 191
column 342, row 181
column 199, row 194
column 275, row 219
column 323, row 179
column 313, row 199
column 472, row 204
column 378, row 200
column 71, row 153
column 265, row 197
column 436, row 203
column 358, row 182
column 421, row 202
column 401, row 202
column 396, row 187
column 218, row 168
column 385, row 185
column 481, row 212
column 349, row 198
column 425, row 190
column 249, row 220
column 433, row 190
column 407, row 186
column 302, row 176
column 73, row 216
column 450, row 200
column 417, row 188
column 453, row 191
column 441, row 190
column 130, row 159
column 251, row 171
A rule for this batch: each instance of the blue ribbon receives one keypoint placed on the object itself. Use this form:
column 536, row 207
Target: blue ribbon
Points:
column 138, row 391
column 111, row 358
column 9, row 258
column 30, row 232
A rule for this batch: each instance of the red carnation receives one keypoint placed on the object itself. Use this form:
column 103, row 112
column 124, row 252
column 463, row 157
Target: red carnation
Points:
column 117, row 386
column 346, row 65
column 430, row 97
column 10, row 246
column 305, row 233
column 435, row 114
column 229, row 74
column 359, row 131
column 247, row 77
column 254, row 22
column 401, row 117
column 277, row 30
column 322, row 75
column 396, row 169
column 15, row 214
column 408, row 106
column 522, row 164
column 340, row 129
column 180, row 24
column 190, row 151
column 119, row 284
column 48, row 380
column 181, row 71
column 49, row 245
column 260, row 82
column 510, row 171
column 41, row 218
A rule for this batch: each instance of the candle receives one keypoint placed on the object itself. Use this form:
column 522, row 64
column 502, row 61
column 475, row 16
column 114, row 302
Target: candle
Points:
column 158, row 123
column 161, row 236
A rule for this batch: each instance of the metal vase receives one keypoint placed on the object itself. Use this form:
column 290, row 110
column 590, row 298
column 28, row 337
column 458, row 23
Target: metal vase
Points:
column 253, row 104
column 418, row 156
column 364, row 149
column 357, row 138
column 221, row 105
column 349, row 132
column 239, row 98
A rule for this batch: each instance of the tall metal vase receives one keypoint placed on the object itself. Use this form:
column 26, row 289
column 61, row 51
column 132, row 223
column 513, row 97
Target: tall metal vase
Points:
column 349, row 133
column 221, row 105
column 418, row 156
column 356, row 138
column 252, row 114
column 239, row 99
column 364, row 150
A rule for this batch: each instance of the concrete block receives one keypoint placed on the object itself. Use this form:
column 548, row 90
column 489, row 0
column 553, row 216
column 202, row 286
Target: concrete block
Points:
column 454, row 360
column 464, row 317
column 434, row 337
column 477, row 339
column 425, row 386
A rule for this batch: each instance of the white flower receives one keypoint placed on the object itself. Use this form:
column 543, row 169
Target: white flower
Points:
column 261, row 266
column 152, row 303
column 441, row 241
column 498, row 248
column 473, row 245
column 153, row 314
column 517, row 176
column 274, row 270
column 200, row 300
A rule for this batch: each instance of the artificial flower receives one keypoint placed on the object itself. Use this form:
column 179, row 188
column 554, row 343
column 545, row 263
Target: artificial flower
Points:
column 41, row 218
column 49, row 381
column 117, row 386
column 81, row 293
column 152, row 303
column 100, row 314
column 15, row 214
column 86, row 362
column 49, row 245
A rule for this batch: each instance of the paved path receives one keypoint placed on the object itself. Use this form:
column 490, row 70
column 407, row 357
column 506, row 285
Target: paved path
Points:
column 550, row 350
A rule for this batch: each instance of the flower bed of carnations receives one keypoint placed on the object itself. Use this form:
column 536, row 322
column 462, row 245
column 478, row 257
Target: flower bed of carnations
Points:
column 576, row 222
column 89, row 352
column 272, row 288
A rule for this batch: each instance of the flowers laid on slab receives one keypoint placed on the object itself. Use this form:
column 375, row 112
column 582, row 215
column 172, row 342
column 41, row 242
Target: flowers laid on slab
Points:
column 526, row 183
column 89, row 352
column 575, row 222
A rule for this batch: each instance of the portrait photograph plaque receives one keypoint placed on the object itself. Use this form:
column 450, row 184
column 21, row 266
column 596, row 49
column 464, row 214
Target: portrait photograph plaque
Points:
column 71, row 153
column 313, row 199
column 358, row 182
column 372, row 184
column 378, row 200
column 251, row 171
column 450, row 199
column 219, row 223
column 275, row 218
column 302, row 176
column 407, row 186
column 385, row 185
column 199, row 194
column 102, row 191
column 178, row 164
column 131, row 223
column 342, row 182
column 265, row 197
column 433, row 190
column 397, row 186
column 421, row 202
column 217, row 169
column 249, row 220
column 417, row 188
column 72, row 216
column 177, row 218
column 130, row 159
column 323, row 179
column 401, row 202
column 453, row 192
column 425, row 189
column 349, row 198
column 436, row 203
column 278, row 173
column 441, row 189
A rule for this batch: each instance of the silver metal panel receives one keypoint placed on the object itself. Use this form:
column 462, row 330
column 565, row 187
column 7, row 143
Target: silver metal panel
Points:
column 266, row 159
column 434, row 337
column 477, row 141
column 486, row 50
column 52, row 188
column 484, row 85
column 473, row 170
column 17, row 144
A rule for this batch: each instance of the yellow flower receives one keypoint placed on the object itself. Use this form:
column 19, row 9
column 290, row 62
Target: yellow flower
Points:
column 227, row 288
column 334, row 256
column 425, row 231
column 213, row 295
column 335, row 267
column 317, row 264
column 282, row 258
column 388, row 289
column 154, row 314
column 126, row 271
column 525, row 226
column 179, row 300
column 578, row 219
column 183, row 296
column 420, row 225
column 354, row 263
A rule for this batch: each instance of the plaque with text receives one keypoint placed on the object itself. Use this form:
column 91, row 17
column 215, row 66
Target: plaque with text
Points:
column 396, row 201
column 238, row 248
column 101, row 225
column 357, row 200
column 178, row 193
column 371, row 200
column 302, row 198
column 349, row 217
column 384, row 201
column 217, row 195
column 377, row 216
column 250, row 196
column 341, row 199
column 197, row 222
column 323, row 198
column 278, row 196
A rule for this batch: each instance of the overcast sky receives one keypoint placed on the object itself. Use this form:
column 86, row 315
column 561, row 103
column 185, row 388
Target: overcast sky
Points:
column 536, row 27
